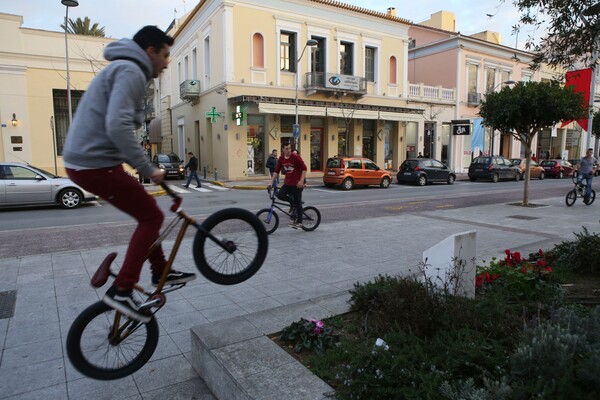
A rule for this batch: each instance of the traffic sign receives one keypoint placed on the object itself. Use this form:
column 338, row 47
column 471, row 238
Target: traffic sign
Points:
column 296, row 131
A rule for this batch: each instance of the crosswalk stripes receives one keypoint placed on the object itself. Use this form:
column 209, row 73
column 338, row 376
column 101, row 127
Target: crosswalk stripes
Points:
column 206, row 188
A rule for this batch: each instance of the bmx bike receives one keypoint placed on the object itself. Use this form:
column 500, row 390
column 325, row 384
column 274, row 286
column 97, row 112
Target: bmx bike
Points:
column 579, row 190
column 311, row 217
column 229, row 247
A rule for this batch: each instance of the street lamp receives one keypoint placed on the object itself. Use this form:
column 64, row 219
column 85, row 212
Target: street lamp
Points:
column 67, row 4
column 311, row 43
column 590, row 12
column 508, row 82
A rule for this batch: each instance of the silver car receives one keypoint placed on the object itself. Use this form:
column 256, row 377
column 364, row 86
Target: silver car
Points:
column 23, row 184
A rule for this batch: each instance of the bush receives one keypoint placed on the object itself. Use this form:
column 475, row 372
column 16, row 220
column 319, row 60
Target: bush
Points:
column 581, row 255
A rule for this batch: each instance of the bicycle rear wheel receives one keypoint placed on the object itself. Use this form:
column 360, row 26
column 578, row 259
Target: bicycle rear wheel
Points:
column 245, row 239
column 311, row 218
column 571, row 197
column 270, row 226
column 96, row 354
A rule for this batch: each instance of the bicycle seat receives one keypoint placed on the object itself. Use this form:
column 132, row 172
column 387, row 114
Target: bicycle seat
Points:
column 103, row 271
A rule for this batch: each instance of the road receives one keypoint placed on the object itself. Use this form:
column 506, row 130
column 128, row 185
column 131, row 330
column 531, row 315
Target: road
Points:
column 48, row 229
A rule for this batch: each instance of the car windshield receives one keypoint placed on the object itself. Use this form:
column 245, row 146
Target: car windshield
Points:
column 481, row 160
column 166, row 158
column 41, row 171
column 334, row 163
column 548, row 163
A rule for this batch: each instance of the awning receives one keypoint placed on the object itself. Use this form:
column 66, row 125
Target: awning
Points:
column 155, row 131
column 290, row 109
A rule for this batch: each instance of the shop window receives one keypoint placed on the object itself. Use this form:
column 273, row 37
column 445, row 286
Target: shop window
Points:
column 256, row 144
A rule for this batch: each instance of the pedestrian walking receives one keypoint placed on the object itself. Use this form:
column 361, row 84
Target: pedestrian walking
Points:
column 272, row 163
column 192, row 165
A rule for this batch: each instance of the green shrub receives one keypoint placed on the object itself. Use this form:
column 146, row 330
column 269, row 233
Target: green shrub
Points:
column 310, row 335
column 581, row 255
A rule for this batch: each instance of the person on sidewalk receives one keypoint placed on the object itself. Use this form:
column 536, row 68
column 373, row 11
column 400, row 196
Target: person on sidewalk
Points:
column 192, row 165
column 103, row 136
column 295, row 175
column 586, row 168
column 272, row 163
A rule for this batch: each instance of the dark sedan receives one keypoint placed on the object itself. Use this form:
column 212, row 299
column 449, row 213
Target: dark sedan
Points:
column 423, row 171
column 493, row 168
column 557, row 168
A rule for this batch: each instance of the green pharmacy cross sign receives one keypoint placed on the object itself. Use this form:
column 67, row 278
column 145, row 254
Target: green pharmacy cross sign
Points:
column 239, row 115
column 213, row 114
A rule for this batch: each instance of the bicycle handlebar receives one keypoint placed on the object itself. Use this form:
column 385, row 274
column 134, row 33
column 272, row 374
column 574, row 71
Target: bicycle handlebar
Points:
column 177, row 199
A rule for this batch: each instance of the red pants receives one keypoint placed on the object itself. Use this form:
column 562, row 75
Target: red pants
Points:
column 124, row 192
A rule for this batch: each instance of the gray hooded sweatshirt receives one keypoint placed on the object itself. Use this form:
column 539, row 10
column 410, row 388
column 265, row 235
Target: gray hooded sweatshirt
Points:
column 103, row 131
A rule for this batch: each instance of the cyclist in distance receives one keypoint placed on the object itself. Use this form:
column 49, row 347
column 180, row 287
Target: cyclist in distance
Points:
column 586, row 168
column 295, row 174
column 103, row 136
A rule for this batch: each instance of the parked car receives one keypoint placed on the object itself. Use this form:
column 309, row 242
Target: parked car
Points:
column 535, row 170
column 493, row 168
column 557, row 168
column 354, row 171
column 423, row 171
column 170, row 163
column 23, row 184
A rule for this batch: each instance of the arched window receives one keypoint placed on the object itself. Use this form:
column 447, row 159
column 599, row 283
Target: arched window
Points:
column 393, row 69
column 258, row 51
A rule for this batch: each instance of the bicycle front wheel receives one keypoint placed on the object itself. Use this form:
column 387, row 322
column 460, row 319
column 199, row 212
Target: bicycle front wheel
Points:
column 270, row 225
column 571, row 197
column 99, row 351
column 592, row 198
column 311, row 218
column 240, row 251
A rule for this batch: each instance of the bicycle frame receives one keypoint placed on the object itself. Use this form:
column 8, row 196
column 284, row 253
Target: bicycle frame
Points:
column 275, row 204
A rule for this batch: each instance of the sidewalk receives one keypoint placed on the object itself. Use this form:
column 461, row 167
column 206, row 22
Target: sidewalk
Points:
column 51, row 289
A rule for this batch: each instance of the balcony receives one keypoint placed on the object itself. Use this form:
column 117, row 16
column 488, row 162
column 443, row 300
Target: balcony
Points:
column 419, row 91
column 335, row 84
column 189, row 90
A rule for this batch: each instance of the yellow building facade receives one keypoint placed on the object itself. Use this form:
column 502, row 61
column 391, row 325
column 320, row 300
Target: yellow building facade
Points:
column 243, row 72
column 33, row 89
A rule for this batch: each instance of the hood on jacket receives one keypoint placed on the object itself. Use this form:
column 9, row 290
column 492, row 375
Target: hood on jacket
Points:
column 127, row 49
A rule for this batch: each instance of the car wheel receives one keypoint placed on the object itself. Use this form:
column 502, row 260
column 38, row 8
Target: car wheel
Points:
column 385, row 182
column 495, row 178
column 518, row 176
column 560, row 175
column 70, row 198
column 348, row 184
column 422, row 181
column 451, row 179
column 542, row 176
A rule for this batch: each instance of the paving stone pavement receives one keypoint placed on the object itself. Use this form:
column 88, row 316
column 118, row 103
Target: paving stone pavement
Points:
column 312, row 281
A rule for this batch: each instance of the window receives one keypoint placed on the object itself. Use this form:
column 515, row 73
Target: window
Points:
column 318, row 56
column 287, row 50
column 61, row 114
column 195, row 63
column 207, row 62
column 370, row 64
column 393, row 70
column 346, row 57
column 490, row 80
column 186, row 68
column 258, row 51
column 504, row 76
column 472, row 78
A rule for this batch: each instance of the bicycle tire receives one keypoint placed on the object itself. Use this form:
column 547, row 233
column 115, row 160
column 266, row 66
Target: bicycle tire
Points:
column 571, row 197
column 311, row 218
column 90, row 351
column 272, row 225
column 592, row 198
column 244, row 233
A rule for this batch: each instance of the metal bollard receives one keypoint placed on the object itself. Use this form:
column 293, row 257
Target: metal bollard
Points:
column 204, row 171
column 216, row 175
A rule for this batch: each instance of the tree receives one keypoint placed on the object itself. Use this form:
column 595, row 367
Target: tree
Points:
column 528, row 107
column 82, row 27
column 568, row 39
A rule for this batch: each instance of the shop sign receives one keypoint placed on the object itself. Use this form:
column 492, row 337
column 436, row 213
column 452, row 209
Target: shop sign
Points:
column 342, row 82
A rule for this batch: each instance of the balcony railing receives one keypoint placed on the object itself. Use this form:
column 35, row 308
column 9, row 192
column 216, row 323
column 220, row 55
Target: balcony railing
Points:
column 473, row 99
column 329, row 82
column 423, row 92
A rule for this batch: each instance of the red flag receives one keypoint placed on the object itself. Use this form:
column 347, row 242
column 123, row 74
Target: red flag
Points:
column 581, row 80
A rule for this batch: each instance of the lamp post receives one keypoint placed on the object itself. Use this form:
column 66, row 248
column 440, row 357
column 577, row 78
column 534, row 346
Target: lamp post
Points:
column 67, row 4
column 589, row 12
column 508, row 82
column 311, row 43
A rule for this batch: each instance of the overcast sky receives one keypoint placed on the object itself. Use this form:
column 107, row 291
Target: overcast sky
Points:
column 122, row 18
